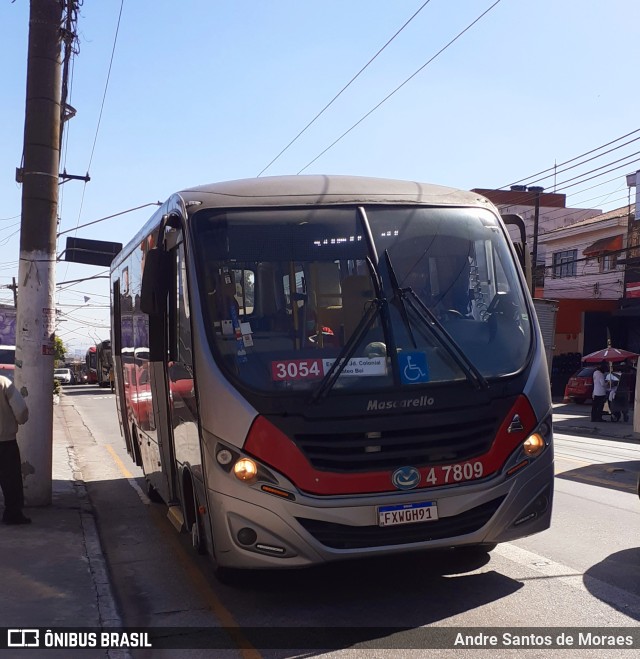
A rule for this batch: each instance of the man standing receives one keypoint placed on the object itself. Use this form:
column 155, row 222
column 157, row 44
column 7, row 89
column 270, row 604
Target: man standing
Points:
column 599, row 392
column 13, row 411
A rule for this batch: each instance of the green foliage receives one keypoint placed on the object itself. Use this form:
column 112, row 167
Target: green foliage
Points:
column 59, row 350
column 56, row 387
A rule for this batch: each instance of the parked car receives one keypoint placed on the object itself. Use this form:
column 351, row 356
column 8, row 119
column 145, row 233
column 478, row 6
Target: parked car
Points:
column 63, row 375
column 580, row 386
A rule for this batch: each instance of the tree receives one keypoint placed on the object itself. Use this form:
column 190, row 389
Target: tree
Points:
column 59, row 350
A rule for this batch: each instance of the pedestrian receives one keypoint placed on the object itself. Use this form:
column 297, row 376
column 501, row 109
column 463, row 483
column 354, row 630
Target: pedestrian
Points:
column 619, row 404
column 13, row 411
column 599, row 395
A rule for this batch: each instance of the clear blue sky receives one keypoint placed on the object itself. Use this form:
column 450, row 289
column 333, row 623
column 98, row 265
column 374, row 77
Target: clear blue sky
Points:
column 209, row 90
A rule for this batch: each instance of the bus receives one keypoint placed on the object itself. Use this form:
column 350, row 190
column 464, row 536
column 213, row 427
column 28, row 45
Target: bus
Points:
column 317, row 368
column 104, row 363
column 90, row 361
column 99, row 363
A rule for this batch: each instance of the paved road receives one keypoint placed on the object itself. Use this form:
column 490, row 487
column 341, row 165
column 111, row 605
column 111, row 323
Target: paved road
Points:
column 583, row 572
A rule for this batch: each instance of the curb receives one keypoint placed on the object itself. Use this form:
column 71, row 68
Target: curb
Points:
column 109, row 616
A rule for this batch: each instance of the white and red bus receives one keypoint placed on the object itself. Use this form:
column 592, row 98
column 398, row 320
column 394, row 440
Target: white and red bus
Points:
column 90, row 361
column 315, row 368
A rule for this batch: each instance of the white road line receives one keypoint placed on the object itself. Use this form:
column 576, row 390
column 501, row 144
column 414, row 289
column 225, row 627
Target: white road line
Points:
column 618, row 598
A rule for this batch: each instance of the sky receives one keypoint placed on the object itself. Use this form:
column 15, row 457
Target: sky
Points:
column 174, row 94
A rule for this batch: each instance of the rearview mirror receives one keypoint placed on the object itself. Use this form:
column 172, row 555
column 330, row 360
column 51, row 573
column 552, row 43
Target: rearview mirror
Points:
column 155, row 281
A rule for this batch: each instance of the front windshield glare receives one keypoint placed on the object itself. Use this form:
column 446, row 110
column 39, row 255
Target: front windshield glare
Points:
column 285, row 291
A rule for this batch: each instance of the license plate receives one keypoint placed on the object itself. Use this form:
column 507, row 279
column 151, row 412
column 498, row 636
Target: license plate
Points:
column 409, row 513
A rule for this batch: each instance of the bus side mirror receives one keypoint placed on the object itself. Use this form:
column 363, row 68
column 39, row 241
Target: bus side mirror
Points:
column 155, row 282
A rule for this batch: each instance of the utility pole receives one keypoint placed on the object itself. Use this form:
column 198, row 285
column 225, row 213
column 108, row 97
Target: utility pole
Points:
column 536, row 217
column 36, row 274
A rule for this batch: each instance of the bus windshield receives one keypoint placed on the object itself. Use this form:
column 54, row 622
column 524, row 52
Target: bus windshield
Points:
column 399, row 296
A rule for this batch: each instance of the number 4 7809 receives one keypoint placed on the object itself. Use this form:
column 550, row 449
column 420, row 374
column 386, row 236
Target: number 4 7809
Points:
column 454, row 473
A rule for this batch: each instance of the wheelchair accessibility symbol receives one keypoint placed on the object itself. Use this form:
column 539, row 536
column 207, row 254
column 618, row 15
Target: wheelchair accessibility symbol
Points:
column 413, row 367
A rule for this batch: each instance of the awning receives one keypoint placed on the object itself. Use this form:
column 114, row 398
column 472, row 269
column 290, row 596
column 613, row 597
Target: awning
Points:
column 604, row 245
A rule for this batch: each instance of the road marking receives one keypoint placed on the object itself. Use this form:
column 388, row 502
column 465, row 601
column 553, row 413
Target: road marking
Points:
column 619, row 599
column 202, row 584
column 587, row 478
column 234, row 630
column 600, row 481
column 128, row 475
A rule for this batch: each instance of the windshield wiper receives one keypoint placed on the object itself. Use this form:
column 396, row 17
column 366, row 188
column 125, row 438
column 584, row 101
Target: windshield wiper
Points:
column 435, row 327
column 378, row 306
column 346, row 353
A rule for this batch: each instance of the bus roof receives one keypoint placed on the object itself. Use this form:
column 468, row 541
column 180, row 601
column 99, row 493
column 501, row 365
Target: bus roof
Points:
column 326, row 190
column 296, row 191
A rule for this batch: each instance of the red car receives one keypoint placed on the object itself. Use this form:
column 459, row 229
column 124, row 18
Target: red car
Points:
column 580, row 385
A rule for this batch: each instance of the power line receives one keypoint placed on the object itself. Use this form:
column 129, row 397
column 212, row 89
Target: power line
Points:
column 566, row 162
column 104, row 96
column 335, row 98
column 399, row 87
column 108, row 217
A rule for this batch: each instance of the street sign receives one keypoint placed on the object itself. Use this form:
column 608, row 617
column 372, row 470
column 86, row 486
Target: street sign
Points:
column 92, row 252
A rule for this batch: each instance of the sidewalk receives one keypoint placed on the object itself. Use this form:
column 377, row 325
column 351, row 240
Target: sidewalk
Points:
column 52, row 571
column 576, row 419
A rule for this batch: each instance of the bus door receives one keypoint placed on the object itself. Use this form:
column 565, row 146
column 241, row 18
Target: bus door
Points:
column 165, row 298
column 183, row 413
column 121, row 382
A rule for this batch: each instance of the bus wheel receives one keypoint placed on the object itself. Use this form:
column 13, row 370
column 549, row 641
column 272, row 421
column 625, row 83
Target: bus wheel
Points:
column 197, row 532
column 137, row 457
column 153, row 494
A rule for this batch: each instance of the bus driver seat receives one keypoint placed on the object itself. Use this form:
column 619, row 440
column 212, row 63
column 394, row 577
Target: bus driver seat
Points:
column 357, row 293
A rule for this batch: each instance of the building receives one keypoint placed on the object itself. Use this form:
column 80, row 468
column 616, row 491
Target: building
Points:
column 584, row 271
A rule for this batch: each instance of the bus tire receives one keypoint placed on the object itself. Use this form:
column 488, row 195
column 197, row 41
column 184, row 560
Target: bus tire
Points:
column 153, row 494
column 137, row 456
column 197, row 536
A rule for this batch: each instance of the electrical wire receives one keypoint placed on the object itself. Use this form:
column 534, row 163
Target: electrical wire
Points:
column 566, row 162
column 399, row 87
column 335, row 98
column 104, row 96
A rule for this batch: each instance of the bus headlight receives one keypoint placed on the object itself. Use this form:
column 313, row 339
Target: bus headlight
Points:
column 245, row 469
column 534, row 445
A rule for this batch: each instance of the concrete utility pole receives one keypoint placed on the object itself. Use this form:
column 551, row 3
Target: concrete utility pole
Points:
column 36, row 274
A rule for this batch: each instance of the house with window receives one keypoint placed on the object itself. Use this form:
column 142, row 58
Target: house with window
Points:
column 583, row 272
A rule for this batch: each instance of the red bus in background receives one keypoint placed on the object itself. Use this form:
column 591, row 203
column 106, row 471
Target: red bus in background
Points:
column 90, row 360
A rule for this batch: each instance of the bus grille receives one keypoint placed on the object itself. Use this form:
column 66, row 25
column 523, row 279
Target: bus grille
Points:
column 354, row 451
column 341, row 536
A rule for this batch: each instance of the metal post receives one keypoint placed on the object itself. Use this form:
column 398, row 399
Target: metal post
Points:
column 534, row 256
column 633, row 181
column 36, row 273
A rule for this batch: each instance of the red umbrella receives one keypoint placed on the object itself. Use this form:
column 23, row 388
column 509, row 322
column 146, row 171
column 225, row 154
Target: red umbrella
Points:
column 609, row 355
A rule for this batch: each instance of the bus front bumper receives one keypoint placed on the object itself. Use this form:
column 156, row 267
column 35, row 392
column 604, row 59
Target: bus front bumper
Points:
column 253, row 529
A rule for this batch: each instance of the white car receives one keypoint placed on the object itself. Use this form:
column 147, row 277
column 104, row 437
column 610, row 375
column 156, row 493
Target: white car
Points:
column 63, row 375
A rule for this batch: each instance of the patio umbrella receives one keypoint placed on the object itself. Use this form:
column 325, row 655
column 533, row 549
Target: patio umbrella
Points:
column 609, row 355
